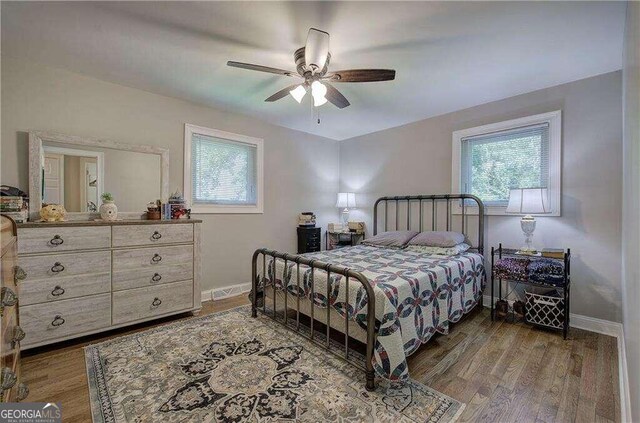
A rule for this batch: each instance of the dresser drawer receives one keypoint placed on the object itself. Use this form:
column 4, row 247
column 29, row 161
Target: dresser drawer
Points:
column 129, row 235
column 55, row 266
column 63, row 288
column 53, row 239
column 10, row 366
column 52, row 321
column 142, row 303
column 8, row 269
column 150, row 276
column 142, row 258
column 9, row 322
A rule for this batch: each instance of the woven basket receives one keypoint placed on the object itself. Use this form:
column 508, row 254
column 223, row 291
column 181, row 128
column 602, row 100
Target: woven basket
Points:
column 545, row 310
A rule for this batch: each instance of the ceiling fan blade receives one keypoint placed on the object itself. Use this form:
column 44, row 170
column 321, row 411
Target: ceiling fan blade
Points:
column 316, row 49
column 259, row 68
column 362, row 75
column 335, row 97
column 282, row 93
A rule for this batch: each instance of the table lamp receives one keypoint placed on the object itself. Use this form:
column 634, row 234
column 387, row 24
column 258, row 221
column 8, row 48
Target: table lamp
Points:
column 345, row 201
column 528, row 201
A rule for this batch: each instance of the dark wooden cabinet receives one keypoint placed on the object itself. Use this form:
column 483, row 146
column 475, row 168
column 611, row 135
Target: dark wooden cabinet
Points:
column 309, row 240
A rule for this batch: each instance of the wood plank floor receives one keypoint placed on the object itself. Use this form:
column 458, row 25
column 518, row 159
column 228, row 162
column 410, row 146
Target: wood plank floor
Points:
column 504, row 372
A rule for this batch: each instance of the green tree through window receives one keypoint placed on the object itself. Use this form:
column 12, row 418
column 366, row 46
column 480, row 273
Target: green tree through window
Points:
column 494, row 163
column 223, row 172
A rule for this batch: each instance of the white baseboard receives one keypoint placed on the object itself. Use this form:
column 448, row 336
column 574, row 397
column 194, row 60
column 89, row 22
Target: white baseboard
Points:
column 592, row 324
column 609, row 328
column 623, row 376
column 225, row 292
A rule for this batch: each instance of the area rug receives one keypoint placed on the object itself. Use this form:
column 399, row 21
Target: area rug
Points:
column 228, row 367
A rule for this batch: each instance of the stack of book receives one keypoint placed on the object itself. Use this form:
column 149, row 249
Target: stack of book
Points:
column 177, row 207
column 14, row 207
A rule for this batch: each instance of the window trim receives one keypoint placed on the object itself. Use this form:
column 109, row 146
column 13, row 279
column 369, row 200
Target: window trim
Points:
column 554, row 119
column 189, row 130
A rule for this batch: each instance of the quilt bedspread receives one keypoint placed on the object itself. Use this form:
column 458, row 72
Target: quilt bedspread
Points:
column 416, row 295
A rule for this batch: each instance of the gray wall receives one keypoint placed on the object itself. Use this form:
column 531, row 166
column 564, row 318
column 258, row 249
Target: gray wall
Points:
column 416, row 159
column 301, row 170
column 631, row 204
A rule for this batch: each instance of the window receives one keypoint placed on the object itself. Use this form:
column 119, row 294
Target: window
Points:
column 223, row 171
column 521, row 153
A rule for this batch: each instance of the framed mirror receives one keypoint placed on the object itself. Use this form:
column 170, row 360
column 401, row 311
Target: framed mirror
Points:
column 75, row 171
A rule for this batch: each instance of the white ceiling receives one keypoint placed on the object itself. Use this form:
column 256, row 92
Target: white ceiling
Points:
column 448, row 55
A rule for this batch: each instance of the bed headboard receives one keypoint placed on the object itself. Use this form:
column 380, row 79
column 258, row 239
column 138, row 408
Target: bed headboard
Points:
column 441, row 212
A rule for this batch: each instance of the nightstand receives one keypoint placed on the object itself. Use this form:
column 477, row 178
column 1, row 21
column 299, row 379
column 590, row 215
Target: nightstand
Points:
column 309, row 240
column 549, row 307
column 342, row 239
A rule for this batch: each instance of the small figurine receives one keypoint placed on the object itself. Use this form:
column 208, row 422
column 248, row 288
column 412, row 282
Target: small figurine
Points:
column 53, row 213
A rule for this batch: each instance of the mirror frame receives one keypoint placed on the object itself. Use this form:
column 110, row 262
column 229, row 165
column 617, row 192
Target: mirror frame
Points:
column 36, row 138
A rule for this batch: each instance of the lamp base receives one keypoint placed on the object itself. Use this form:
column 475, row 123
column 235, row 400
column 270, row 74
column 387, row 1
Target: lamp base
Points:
column 528, row 225
column 345, row 218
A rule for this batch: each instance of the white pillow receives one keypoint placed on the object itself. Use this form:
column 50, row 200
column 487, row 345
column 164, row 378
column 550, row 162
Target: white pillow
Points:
column 440, row 251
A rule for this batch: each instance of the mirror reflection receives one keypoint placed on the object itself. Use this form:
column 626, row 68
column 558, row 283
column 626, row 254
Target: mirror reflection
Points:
column 76, row 176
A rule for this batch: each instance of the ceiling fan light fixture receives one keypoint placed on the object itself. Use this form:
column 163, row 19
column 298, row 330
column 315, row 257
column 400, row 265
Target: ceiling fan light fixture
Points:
column 318, row 91
column 298, row 93
column 312, row 62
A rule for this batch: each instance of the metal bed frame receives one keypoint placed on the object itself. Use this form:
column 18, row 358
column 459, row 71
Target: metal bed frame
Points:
column 351, row 275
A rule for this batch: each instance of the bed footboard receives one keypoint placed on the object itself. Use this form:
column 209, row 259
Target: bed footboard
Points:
column 260, row 258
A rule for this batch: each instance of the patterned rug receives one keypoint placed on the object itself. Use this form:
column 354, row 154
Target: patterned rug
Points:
column 228, row 367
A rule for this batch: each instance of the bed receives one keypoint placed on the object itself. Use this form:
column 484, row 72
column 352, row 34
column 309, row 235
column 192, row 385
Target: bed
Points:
column 416, row 295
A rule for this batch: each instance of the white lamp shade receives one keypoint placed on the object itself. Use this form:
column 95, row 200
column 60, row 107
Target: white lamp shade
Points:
column 318, row 91
column 298, row 93
column 528, row 201
column 346, row 200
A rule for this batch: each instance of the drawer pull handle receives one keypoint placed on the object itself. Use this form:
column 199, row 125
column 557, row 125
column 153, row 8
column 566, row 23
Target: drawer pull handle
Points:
column 23, row 392
column 57, row 321
column 7, row 379
column 20, row 274
column 156, row 277
column 156, row 302
column 156, row 236
column 157, row 258
column 57, row 291
column 18, row 335
column 8, row 297
column 57, row 267
column 56, row 240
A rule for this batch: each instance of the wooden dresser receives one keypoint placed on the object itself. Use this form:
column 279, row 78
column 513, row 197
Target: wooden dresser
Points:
column 11, row 335
column 91, row 276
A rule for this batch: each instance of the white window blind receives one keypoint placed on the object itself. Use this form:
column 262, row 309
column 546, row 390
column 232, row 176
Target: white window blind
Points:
column 223, row 171
column 493, row 163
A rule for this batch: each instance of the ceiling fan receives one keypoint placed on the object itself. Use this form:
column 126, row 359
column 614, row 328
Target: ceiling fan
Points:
column 312, row 62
